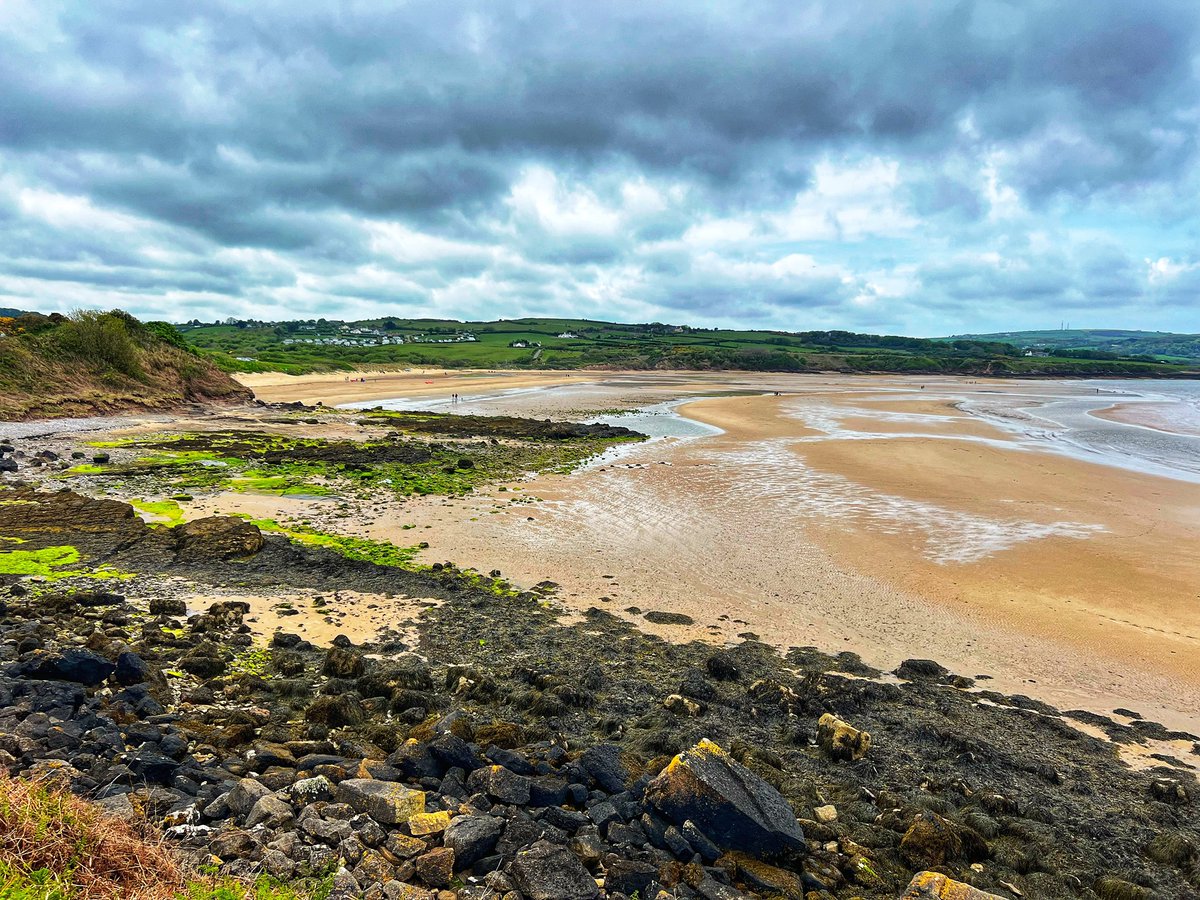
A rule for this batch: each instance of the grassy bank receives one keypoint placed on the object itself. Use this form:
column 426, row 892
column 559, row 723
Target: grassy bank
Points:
column 93, row 362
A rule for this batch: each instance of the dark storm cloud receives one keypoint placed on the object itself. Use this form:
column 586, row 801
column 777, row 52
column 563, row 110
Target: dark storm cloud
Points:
column 297, row 131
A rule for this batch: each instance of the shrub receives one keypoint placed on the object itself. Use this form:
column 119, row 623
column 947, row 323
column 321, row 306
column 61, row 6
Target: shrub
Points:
column 103, row 338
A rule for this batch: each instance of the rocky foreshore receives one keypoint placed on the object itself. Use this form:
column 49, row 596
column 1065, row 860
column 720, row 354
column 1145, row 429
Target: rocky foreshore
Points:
column 501, row 753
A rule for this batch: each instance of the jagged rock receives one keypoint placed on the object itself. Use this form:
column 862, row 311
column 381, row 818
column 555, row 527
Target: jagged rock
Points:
column 234, row 844
column 549, row 872
column 244, row 795
column 841, row 740
column 472, row 837
column 771, row 880
column 630, row 877
column 386, row 802
column 500, row 784
column 731, row 805
column 436, row 868
column 270, row 811
column 935, row 886
column 217, row 537
column 150, row 767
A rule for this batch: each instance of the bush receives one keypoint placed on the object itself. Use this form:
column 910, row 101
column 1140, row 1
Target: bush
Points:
column 103, row 338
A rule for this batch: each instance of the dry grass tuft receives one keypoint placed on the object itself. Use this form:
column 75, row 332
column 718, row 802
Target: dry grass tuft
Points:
column 55, row 845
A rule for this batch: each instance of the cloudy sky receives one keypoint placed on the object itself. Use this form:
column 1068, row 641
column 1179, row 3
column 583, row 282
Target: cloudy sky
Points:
column 907, row 167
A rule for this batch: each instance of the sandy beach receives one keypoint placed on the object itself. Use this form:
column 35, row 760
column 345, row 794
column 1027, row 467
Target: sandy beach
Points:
column 869, row 514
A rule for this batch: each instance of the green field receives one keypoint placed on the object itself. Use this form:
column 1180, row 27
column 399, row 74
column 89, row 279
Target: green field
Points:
column 330, row 345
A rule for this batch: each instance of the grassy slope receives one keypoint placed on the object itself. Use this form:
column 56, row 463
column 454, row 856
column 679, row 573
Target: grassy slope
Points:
column 101, row 363
column 1162, row 344
column 262, row 348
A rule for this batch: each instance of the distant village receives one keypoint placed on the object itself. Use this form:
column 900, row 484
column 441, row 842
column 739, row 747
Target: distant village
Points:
column 339, row 334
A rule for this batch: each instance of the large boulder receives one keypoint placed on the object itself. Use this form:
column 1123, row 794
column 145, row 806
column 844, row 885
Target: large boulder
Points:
column 730, row 805
column 217, row 537
column 935, row 886
column 550, row 872
column 387, row 802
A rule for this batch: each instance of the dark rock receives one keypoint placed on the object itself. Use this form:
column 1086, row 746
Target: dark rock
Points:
column 512, row 761
column 452, row 752
column 630, row 877
column 131, row 669
column 549, row 872
column 723, row 666
column 731, row 805
column 500, row 784
column 603, row 764
column 930, row 841
column 217, row 537
column 167, row 606
column 202, row 665
column 914, row 669
column 80, row 666
column 269, row 810
column 668, row 618
column 151, row 767
column 472, row 838
column 436, row 868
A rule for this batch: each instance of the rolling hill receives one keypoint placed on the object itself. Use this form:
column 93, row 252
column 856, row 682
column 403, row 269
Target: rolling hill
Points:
column 314, row 345
column 1161, row 345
